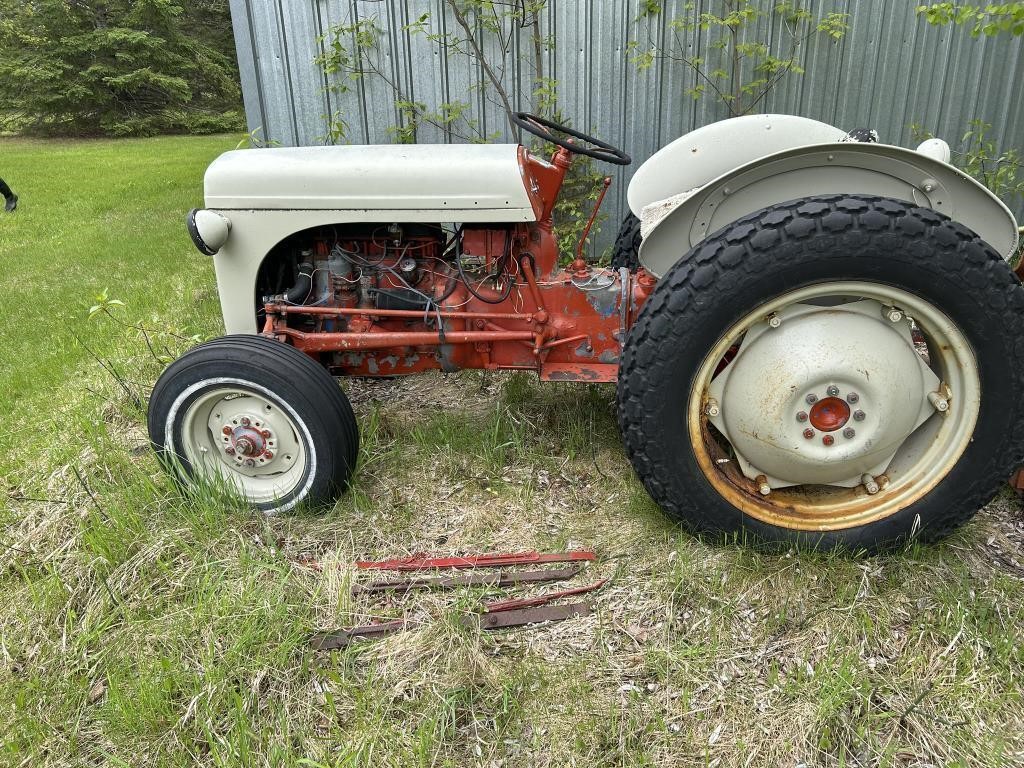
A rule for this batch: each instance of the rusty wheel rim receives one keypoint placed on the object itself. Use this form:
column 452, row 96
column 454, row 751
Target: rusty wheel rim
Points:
column 921, row 460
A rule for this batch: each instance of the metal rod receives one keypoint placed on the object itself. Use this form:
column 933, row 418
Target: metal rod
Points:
column 424, row 562
column 501, row 579
column 295, row 309
column 326, row 342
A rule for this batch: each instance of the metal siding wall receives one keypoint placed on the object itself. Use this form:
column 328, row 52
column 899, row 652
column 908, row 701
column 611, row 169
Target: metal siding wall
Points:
column 889, row 71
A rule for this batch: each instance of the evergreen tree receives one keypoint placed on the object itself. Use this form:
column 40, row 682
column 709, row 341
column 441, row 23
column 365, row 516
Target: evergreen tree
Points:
column 117, row 67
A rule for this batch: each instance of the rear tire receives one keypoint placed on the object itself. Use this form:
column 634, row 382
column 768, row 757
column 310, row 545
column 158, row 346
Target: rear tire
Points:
column 626, row 252
column 257, row 416
column 808, row 245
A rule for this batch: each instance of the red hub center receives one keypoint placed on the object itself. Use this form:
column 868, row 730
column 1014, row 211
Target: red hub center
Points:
column 829, row 414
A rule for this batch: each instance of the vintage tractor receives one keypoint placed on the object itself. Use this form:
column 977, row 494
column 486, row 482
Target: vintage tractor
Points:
column 819, row 337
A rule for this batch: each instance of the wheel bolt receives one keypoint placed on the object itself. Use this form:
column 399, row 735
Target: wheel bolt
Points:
column 265, row 434
column 226, row 430
column 802, row 416
column 832, row 391
column 245, row 421
column 848, row 433
column 250, row 462
column 828, row 439
column 858, row 415
column 870, row 484
column 762, row 485
column 808, row 433
column 774, row 320
column 892, row 314
column 712, row 408
column 268, row 454
column 853, row 397
column 811, row 399
column 229, row 451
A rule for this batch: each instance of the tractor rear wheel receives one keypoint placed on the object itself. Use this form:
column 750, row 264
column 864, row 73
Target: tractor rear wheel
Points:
column 257, row 417
column 841, row 371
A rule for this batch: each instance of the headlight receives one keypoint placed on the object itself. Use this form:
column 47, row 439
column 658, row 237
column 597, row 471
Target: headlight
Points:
column 208, row 230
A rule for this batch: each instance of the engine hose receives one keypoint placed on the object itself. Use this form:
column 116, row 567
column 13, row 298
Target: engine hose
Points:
column 299, row 292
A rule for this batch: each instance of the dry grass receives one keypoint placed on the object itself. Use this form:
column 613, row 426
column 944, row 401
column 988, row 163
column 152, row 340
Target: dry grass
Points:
column 138, row 627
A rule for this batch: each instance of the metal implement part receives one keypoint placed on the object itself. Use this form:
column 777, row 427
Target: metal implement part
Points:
column 420, row 562
column 523, row 616
column 508, row 605
column 342, row 638
column 501, row 579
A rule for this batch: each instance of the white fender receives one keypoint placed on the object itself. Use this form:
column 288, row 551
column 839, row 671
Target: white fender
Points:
column 822, row 169
column 706, row 153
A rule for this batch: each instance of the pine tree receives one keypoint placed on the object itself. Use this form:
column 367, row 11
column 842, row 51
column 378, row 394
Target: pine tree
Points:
column 117, row 67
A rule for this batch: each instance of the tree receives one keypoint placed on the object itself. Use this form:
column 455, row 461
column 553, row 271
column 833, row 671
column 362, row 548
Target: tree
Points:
column 117, row 67
column 992, row 19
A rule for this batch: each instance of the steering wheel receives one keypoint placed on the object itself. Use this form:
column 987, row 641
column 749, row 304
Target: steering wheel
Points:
column 546, row 129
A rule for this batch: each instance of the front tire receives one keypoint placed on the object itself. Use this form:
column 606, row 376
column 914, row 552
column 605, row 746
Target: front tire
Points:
column 846, row 277
column 258, row 417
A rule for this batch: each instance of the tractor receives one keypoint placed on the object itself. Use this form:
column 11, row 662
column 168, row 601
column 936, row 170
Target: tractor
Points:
column 816, row 337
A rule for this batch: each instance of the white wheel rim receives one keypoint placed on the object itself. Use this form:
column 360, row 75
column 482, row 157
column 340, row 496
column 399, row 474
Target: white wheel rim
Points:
column 921, row 459
column 236, row 433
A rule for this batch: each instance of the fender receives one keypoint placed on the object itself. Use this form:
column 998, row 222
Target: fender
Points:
column 822, row 169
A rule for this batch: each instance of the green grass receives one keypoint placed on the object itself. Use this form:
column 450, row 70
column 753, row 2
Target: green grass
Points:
column 138, row 627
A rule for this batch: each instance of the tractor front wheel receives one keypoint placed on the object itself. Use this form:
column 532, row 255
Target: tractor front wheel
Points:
column 842, row 371
column 258, row 418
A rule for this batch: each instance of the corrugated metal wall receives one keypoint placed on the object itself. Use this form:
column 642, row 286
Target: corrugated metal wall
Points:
column 890, row 70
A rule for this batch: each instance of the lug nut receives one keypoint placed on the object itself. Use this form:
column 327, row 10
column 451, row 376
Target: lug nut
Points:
column 939, row 403
column 811, row 399
column 762, row 485
column 250, row 462
column 848, row 433
column 828, row 439
column 245, row 421
column 852, row 398
column 808, row 433
column 226, row 430
column 802, row 416
column 265, row 434
column 858, row 415
column 893, row 315
column 870, row 485
column 712, row 408
column 268, row 454
column 229, row 451
column 774, row 320
column 832, row 391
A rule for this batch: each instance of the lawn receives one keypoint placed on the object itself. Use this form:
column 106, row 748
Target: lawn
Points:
column 141, row 628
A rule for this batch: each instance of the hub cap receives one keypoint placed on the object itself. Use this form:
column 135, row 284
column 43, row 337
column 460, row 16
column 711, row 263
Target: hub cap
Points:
column 827, row 391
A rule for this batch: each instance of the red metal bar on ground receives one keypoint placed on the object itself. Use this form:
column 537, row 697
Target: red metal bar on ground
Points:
column 508, row 605
column 424, row 562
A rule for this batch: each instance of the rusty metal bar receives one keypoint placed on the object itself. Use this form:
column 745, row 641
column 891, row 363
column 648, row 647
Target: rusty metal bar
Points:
column 526, row 602
column 293, row 309
column 524, row 616
column 607, row 182
column 342, row 638
column 423, row 562
column 326, row 342
column 501, row 579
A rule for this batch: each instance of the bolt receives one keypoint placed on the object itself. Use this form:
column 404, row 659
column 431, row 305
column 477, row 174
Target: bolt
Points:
column 774, row 320
column 853, row 397
column 712, row 408
column 229, row 451
column 802, row 416
column 811, row 399
column 250, row 462
column 938, row 402
column 226, row 430
column 265, row 434
column 892, row 314
column 859, row 415
column 268, row 454
column 808, row 433
column 828, row 440
column 832, row 390
column 245, row 421
column 762, row 485
column 870, row 485
column 848, row 433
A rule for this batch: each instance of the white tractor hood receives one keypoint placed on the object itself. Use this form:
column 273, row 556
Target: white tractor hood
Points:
column 482, row 180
